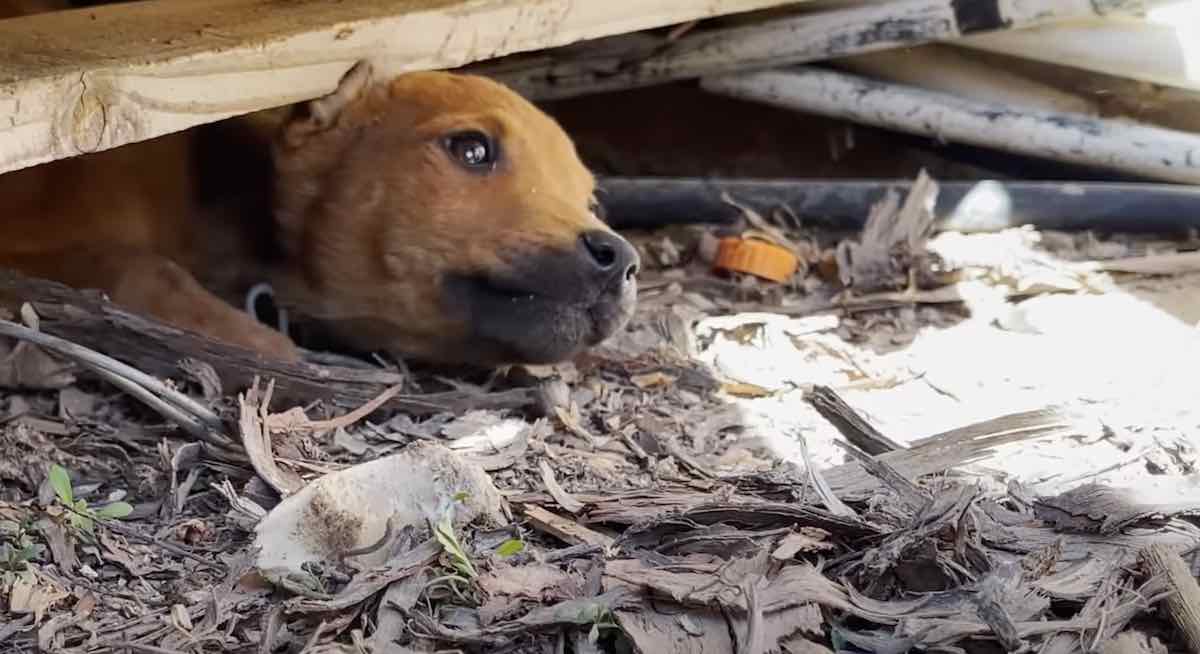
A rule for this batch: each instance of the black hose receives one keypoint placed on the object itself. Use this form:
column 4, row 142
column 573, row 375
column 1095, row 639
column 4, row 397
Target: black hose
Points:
column 649, row 202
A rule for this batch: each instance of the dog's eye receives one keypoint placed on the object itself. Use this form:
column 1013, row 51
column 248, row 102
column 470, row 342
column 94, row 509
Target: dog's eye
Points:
column 472, row 149
column 597, row 209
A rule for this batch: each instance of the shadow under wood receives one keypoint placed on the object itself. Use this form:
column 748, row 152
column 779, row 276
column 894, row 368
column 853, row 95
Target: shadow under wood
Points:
column 89, row 320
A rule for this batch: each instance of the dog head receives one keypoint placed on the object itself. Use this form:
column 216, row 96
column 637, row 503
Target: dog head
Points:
column 442, row 216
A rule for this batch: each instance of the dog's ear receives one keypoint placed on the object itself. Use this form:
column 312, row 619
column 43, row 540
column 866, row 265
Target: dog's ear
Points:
column 318, row 115
column 300, row 158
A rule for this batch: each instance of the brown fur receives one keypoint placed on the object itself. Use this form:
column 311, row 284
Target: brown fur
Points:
column 356, row 211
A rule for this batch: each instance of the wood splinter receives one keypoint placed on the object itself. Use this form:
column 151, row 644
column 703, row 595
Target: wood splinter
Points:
column 1182, row 603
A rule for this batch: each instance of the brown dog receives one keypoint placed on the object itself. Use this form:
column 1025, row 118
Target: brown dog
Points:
column 435, row 215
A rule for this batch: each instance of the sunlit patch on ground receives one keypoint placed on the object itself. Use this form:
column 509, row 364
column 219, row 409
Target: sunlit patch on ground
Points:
column 1123, row 354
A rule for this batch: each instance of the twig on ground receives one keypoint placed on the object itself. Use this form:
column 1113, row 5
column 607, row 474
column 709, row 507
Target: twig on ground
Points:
column 359, row 413
column 293, row 421
column 193, row 417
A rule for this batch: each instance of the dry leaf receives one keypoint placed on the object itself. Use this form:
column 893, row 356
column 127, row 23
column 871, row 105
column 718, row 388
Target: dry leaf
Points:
column 26, row 366
column 33, row 595
column 133, row 558
column 534, row 581
column 564, row 499
column 652, row 379
column 806, row 539
column 746, row 389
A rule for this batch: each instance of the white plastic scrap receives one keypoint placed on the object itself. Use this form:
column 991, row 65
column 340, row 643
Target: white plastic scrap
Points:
column 349, row 509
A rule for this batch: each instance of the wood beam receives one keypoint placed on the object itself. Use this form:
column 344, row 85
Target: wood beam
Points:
column 85, row 80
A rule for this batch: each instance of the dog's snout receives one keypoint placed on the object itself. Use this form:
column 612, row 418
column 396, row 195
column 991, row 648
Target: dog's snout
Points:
column 609, row 254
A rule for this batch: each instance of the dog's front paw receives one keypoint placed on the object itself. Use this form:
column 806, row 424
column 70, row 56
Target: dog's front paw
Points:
column 272, row 344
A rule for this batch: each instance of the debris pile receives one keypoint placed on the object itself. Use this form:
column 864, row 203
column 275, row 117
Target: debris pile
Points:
column 627, row 503
column 416, row 549
column 852, row 416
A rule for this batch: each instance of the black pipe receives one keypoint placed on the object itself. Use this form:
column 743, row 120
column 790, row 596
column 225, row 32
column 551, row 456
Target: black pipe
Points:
column 649, row 202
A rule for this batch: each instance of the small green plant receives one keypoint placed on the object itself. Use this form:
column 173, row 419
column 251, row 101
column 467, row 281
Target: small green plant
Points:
column 17, row 548
column 600, row 618
column 81, row 516
column 459, row 560
column 459, row 579
column 15, row 557
column 510, row 547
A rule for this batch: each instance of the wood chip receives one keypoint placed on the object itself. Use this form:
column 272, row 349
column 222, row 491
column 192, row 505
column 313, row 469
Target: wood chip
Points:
column 556, row 491
column 568, row 531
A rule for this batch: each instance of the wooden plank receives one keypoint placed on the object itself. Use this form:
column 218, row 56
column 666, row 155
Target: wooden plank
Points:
column 631, row 61
column 91, row 79
column 1129, row 147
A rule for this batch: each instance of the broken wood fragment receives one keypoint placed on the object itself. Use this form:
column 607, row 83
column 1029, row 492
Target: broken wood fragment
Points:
column 849, row 423
column 254, row 425
column 911, row 496
column 1182, row 605
column 994, row 590
column 953, row 448
column 890, row 253
column 568, row 531
column 752, row 515
column 87, row 319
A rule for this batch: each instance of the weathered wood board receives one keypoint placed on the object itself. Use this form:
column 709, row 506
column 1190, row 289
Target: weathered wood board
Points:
column 84, row 80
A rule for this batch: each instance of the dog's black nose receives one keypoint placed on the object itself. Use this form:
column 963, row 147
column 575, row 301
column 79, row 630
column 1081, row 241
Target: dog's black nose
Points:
column 610, row 254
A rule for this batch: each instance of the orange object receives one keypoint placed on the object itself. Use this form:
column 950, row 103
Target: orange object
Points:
column 756, row 257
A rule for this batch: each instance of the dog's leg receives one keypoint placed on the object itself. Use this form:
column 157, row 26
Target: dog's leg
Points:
column 154, row 285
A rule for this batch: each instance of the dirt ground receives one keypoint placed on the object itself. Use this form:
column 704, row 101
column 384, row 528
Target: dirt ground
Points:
column 1002, row 462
